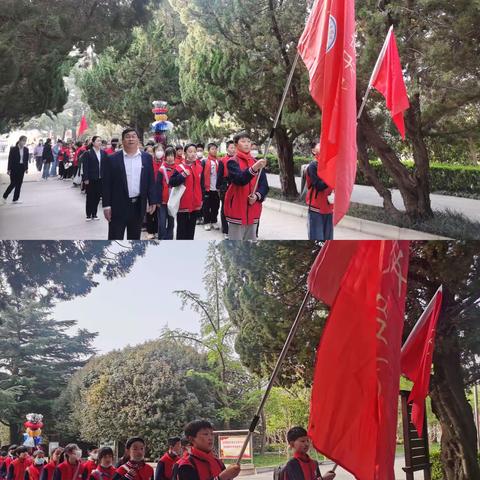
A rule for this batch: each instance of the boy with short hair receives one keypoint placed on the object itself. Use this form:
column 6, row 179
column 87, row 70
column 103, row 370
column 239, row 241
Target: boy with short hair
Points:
column 17, row 468
column 166, row 463
column 243, row 202
column 301, row 466
column 202, row 464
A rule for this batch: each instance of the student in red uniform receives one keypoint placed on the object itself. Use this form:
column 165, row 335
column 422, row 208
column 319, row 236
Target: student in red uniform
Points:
column 189, row 174
column 17, row 468
column 243, row 205
column 320, row 210
column 8, row 459
column 34, row 471
column 70, row 465
column 3, row 457
column 49, row 468
column 91, row 463
column 211, row 198
column 202, row 464
column 135, row 468
column 166, row 223
column 179, row 154
column 301, row 466
column 105, row 469
column 223, row 182
column 166, row 463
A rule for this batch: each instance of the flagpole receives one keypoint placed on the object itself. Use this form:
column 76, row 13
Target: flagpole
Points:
column 375, row 71
column 280, row 108
column 281, row 358
column 423, row 318
column 279, row 113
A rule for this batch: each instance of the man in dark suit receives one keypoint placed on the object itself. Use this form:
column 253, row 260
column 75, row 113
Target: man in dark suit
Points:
column 128, row 185
column 17, row 167
column 93, row 163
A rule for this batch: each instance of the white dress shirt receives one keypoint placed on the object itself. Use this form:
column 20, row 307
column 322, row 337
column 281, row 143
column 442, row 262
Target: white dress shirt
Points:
column 99, row 157
column 133, row 169
column 213, row 176
column 21, row 155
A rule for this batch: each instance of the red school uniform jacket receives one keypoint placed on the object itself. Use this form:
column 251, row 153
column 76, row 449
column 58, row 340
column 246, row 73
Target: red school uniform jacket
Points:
column 17, row 468
column 145, row 472
column 33, row 472
column 210, row 163
column 48, row 469
column 165, row 173
column 66, row 471
column 199, row 466
column 243, row 179
column 102, row 473
column 191, row 200
column 165, row 466
column 89, row 466
column 317, row 192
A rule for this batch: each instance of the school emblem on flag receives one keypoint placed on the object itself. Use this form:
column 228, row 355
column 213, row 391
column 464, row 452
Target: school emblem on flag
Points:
column 332, row 32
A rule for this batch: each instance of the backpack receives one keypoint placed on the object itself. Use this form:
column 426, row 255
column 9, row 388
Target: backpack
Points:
column 280, row 472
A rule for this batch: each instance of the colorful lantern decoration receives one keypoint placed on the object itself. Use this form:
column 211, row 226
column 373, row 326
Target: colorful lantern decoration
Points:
column 161, row 125
column 32, row 436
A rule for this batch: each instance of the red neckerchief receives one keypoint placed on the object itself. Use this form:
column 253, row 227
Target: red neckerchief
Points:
column 215, row 468
column 246, row 157
column 308, row 466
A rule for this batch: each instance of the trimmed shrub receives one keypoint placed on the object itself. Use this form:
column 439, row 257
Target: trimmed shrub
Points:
column 445, row 178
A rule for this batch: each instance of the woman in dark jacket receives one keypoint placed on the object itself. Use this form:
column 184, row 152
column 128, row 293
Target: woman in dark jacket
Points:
column 47, row 158
column 17, row 167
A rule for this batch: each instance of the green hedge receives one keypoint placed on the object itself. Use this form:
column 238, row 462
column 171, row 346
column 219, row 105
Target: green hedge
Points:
column 437, row 465
column 453, row 179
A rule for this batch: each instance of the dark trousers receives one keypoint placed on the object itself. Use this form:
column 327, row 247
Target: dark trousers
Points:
column 16, row 180
column 186, row 223
column 166, row 224
column 222, row 214
column 152, row 222
column 94, row 193
column 39, row 163
column 61, row 169
column 320, row 226
column 132, row 223
column 211, row 205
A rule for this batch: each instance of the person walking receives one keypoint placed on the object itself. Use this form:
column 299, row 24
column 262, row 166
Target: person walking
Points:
column 93, row 161
column 47, row 158
column 128, row 186
column 17, row 167
column 38, row 152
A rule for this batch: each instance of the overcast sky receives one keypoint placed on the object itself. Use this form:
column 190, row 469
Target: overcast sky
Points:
column 133, row 309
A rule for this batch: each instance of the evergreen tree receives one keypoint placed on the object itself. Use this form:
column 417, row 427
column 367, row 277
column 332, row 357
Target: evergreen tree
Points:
column 37, row 357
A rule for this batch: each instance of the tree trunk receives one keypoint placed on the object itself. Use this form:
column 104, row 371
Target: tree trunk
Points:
column 285, row 163
column 413, row 193
column 372, row 177
column 420, row 155
column 450, row 405
column 263, row 441
column 15, row 433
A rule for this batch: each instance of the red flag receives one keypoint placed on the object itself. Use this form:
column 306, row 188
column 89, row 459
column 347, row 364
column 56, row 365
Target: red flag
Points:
column 388, row 79
column 329, row 268
column 327, row 47
column 353, row 411
column 416, row 360
column 83, row 127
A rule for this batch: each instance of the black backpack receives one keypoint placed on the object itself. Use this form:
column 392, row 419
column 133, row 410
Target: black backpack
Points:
column 280, row 472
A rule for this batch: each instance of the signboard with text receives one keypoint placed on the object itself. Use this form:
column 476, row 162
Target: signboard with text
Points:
column 230, row 446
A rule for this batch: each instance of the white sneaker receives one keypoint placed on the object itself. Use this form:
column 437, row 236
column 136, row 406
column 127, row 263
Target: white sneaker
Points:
column 17, row 201
column 95, row 218
column 225, row 236
column 208, row 227
column 215, row 226
column 88, row 219
column 151, row 236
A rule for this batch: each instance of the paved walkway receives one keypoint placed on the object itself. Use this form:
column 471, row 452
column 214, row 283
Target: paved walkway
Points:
column 341, row 474
column 369, row 196
column 54, row 210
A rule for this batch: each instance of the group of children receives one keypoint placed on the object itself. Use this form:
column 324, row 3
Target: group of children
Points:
column 235, row 185
column 190, row 458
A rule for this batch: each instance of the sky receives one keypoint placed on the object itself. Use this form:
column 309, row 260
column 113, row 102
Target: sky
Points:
column 133, row 309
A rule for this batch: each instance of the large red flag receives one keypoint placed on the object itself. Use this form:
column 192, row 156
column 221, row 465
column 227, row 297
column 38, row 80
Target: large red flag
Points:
column 353, row 412
column 416, row 360
column 327, row 47
column 388, row 79
column 83, row 127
